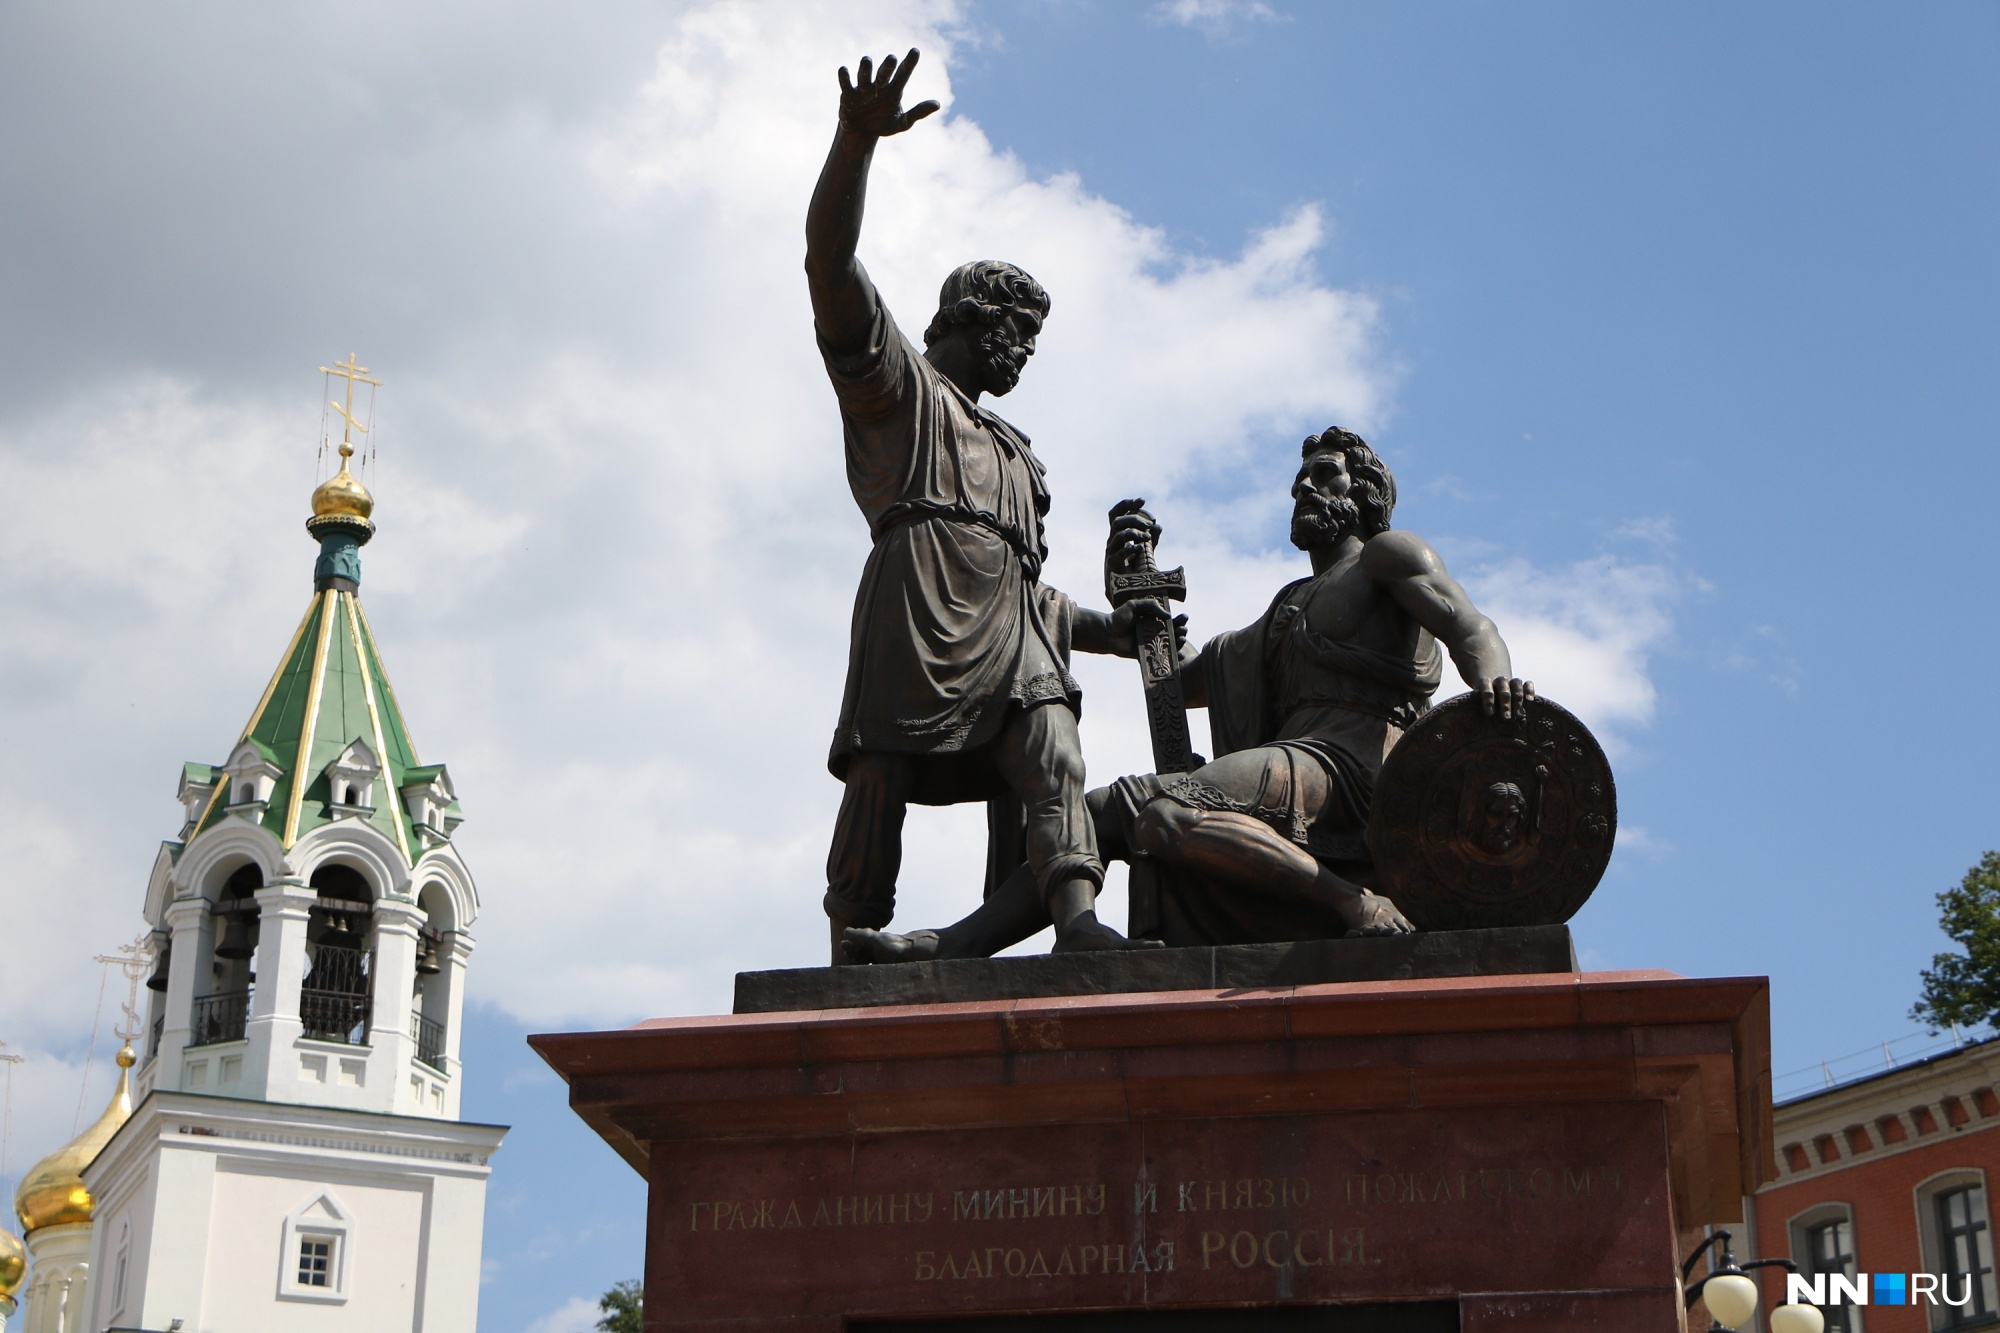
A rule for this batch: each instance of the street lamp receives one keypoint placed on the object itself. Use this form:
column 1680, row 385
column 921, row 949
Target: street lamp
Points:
column 1732, row 1294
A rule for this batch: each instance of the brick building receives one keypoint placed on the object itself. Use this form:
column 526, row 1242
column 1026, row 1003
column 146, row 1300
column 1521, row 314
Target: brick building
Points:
column 1890, row 1174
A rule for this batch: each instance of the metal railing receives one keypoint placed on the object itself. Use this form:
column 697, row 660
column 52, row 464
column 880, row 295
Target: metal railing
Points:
column 429, row 1036
column 219, row 1017
column 334, row 1003
column 1910, row 1048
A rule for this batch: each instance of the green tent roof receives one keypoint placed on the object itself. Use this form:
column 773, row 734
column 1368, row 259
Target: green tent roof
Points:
column 329, row 692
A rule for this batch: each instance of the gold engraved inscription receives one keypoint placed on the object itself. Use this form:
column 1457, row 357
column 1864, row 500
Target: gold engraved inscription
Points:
column 992, row 1261
column 1028, row 1201
column 1214, row 1196
column 1342, row 1248
column 1495, row 1185
column 841, row 1210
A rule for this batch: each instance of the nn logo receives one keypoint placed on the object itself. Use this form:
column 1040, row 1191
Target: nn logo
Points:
column 1887, row 1289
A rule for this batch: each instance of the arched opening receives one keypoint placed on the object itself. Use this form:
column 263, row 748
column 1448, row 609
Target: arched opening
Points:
column 226, row 975
column 335, row 1002
column 430, row 1009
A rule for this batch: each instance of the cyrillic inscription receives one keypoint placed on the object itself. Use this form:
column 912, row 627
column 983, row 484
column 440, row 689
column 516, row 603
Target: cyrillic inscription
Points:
column 1071, row 1261
column 840, row 1210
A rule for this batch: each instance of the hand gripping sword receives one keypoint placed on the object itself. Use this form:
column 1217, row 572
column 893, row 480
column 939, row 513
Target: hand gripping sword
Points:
column 1131, row 576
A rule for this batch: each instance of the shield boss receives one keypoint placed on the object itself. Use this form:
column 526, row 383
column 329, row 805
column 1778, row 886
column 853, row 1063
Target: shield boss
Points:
column 1486, row 821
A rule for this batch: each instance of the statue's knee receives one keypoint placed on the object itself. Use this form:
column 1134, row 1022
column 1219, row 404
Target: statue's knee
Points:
column 1066, row 769
column 1160, row 826
column 871, row 774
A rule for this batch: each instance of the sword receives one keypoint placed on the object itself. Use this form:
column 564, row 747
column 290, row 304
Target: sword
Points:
column 1129, row 577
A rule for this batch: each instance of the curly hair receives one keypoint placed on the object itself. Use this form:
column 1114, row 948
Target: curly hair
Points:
column 1374, row 490
column 980, row 293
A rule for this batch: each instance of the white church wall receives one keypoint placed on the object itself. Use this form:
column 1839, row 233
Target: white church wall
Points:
column 221, row 1191
column 374, row 1229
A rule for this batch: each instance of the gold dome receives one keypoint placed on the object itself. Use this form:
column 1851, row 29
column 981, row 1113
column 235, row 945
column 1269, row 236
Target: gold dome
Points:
column 13, row 1265
column 341, row 496
column 52, row 1194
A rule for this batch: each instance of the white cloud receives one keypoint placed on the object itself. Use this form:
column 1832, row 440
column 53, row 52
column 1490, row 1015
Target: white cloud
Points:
column 1585, row 634
column 578, row 1315
column 616, row 556
column 1213, row 16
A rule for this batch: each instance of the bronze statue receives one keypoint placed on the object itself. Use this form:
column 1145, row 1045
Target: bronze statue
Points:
column 958, row 684
column 1268, row 842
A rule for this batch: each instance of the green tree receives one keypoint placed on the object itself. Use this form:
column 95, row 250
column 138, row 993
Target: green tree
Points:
column 1964, row 988
column 621, row 1306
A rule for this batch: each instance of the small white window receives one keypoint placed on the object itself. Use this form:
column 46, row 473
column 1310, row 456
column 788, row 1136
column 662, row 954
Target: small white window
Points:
column 316, row 1258
column 319, row 1251
column 120, row 1269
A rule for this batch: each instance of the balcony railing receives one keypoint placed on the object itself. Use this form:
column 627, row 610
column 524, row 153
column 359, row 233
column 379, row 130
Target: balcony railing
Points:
column 334, row 1003
column 429, row 1036
column 220, row 1017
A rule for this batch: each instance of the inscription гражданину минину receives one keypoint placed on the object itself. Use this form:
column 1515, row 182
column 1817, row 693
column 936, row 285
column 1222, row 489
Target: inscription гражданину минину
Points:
column 1242, row 1193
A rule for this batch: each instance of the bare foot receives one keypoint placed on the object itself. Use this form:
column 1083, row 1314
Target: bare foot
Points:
column 880, row 946
column 1372, row 914
column 1086, row 934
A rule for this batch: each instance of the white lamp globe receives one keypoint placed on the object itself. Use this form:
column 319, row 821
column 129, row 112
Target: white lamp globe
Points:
column 1731, row 1298
column 1797, row 1319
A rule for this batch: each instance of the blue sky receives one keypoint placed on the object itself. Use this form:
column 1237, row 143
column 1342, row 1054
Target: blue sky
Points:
column 1677, row 323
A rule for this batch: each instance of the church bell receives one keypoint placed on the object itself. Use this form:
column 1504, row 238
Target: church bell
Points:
column 340, row 932
column 235, row 943
column 162, row 962
column 427, row 953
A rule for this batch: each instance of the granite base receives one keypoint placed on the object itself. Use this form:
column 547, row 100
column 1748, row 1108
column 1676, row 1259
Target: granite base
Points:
column 1486, row 1153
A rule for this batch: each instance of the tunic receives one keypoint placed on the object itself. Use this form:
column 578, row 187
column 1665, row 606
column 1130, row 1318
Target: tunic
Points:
column 951, row 623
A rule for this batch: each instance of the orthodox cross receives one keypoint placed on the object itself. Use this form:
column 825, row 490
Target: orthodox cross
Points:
column 134, row 960
column 352, row 373
column 7, row 1114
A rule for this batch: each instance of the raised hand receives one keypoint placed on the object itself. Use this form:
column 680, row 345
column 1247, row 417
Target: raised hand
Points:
column 872, row 102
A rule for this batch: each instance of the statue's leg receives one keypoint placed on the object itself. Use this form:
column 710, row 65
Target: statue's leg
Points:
column 1013, row 912
column 1040, row 756
column 1210, row 830
column 867, row 851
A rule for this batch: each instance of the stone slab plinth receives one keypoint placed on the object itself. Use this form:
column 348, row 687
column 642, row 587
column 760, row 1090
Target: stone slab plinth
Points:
column 1480, row 1153
column 1448, row 953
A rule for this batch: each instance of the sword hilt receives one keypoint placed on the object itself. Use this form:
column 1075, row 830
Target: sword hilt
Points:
column 1137, row 575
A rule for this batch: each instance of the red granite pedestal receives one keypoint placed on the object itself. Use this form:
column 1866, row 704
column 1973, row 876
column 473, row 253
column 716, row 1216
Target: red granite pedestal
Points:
column 1518, row 1153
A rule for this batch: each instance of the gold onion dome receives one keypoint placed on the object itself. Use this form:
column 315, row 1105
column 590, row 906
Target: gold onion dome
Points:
column 342, row 496
column 52, row 1194
column 13, row 1266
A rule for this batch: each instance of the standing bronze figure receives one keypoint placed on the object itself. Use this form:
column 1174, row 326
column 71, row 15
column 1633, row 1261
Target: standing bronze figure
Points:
column 958, row 684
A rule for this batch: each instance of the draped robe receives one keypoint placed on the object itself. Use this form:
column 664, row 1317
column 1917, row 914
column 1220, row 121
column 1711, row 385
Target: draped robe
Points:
column 951, row 622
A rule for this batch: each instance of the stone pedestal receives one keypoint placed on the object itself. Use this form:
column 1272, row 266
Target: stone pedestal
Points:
column 1515, row 1152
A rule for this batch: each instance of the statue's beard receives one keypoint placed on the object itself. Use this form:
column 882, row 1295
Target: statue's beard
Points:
column 1003, row 360
column 1318, row 521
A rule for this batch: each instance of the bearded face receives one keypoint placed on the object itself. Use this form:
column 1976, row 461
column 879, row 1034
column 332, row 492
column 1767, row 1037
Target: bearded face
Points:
column 1322, row 512
column 1004, row 349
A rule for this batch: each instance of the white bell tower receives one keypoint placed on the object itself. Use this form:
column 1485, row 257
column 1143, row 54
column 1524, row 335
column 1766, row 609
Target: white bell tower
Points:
column 295, row 1159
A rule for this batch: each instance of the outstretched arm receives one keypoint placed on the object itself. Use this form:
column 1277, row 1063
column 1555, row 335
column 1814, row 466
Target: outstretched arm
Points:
column 871, row 107
column 1412, row 573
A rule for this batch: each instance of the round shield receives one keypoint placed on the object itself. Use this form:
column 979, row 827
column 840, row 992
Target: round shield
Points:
column 1489, row 821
